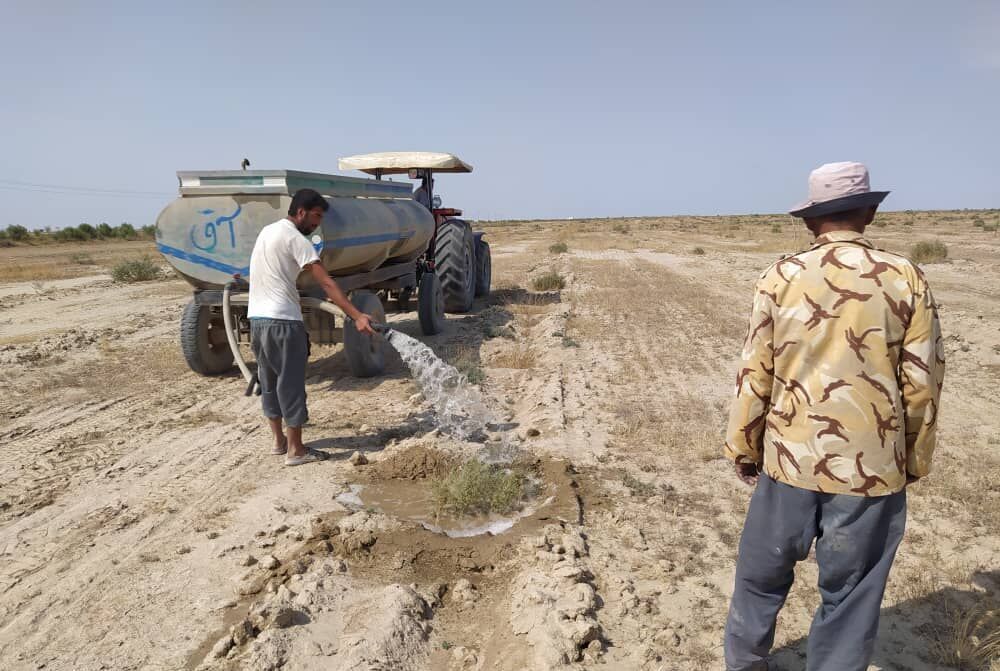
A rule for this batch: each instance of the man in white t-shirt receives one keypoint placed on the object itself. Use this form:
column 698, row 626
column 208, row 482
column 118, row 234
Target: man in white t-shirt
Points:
column 278, row 335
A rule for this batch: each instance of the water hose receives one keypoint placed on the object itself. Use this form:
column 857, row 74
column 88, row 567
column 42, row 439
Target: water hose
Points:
column 227, row 319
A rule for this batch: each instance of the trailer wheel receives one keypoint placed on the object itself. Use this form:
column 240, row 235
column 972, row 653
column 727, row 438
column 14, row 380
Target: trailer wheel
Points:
column 365, row 353
column 484, row 267
column 456, row 264
column 430, row 304
column 203, row 340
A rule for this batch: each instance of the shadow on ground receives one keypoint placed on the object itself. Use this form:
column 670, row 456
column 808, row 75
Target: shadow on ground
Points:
column 941, row 630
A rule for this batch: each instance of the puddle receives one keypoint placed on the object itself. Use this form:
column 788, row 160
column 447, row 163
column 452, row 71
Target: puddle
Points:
column 412, row 500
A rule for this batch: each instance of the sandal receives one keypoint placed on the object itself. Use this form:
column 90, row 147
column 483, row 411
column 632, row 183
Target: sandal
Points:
column 280, row 450
column 309, row 457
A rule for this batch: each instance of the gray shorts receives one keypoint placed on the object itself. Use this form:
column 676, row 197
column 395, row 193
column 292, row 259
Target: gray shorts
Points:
column 282, row 351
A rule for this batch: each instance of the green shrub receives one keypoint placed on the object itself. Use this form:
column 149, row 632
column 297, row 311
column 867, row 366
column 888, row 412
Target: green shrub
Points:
column 136, row 270
column 126, row 231
column 989, row 228
column 559, row 248
column 89, row 231
column 776, row 228
column 550, row 281
column 17, row 233
column 929, row 251
column 148, row 231
column 104, row 230
column 698, row 251
column 69, row 234
column 475, row 487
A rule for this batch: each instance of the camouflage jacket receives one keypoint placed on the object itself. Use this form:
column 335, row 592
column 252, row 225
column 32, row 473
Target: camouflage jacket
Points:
column 839, row 384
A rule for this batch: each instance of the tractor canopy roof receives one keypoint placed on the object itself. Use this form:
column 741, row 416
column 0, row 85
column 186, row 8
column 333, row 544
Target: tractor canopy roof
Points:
column 401, row 162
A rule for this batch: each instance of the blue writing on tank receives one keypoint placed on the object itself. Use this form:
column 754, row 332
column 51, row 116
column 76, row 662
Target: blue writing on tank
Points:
column 210, row 232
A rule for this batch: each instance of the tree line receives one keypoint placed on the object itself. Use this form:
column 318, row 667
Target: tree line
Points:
column 82, row 233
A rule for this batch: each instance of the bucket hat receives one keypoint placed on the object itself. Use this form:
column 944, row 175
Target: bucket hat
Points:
column 838, row 187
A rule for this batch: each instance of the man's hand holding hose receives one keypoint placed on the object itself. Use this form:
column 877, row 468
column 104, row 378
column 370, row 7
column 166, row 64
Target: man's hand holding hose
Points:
column 335, row 295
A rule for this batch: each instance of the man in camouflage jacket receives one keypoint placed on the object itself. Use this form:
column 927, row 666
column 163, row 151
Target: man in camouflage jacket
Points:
column 837, row 398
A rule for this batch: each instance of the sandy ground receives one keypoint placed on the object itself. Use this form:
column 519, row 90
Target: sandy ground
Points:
column 144, row 526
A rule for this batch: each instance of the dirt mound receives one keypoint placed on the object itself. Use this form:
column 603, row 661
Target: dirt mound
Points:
column 419, row 461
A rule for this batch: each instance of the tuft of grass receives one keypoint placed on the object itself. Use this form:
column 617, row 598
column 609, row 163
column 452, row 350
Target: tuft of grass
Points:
column 776, row 228
column 559, row 248
column 968, row 639
column 637, row 486
column 698, row 251
column 82, row 259
column 550, row 281
column 136, row 270
column 621, row 228
column 929, row 251
column 519, row 356
column 478, row 488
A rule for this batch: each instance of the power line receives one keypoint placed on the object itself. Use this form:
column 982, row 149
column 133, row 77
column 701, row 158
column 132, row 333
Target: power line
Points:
column 61, row 189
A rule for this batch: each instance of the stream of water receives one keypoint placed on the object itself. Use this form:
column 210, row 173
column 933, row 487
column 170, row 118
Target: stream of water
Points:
column 459, row 408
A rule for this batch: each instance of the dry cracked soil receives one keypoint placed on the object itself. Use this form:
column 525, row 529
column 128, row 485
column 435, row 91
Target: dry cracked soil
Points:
column 143, row 524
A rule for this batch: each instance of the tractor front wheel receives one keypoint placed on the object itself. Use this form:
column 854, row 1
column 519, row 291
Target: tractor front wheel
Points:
column 430, row 304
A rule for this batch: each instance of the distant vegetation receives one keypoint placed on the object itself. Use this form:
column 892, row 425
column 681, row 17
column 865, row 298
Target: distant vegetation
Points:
column 559, row 248
column 929, row 251
column 135, row 270
column 15, row 233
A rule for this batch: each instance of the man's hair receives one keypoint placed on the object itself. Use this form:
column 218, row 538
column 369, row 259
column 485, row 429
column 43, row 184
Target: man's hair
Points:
column 307, row 199
column 847, row 215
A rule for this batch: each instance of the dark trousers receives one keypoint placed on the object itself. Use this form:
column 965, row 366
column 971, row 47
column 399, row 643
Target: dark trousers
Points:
column 281, row 348
column 856, row 540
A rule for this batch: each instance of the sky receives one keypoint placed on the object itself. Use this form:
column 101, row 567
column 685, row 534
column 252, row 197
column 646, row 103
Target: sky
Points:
column 566, row 109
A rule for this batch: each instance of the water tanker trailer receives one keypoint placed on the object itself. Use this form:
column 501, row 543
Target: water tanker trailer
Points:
column 379, row 243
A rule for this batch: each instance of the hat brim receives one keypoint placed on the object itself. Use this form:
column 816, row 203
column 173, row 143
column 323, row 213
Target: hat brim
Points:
column 852, row 202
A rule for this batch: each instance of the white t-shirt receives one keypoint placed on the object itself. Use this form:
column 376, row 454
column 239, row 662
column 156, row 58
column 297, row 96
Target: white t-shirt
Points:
column 278, row 256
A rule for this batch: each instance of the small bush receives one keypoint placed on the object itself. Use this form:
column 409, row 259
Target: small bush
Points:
column 880, row 222
column 989, row 228
column 82, row 259
column 126, row 231
column 550, row 281
column 136, row 270
column 698, row 251
column 87, row 230
column 558, row 248
column 776, row 228
column 929, row 251
column 17, row 233
column 104, row 230
column 621, row 228
column 475, row 487
column 908, row 222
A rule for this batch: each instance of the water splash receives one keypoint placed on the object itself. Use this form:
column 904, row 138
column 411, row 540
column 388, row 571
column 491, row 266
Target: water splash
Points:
column 459, row 408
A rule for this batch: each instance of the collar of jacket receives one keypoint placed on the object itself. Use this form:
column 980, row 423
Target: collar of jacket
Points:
column 842, row 236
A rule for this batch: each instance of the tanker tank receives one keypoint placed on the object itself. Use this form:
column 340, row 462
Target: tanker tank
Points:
column 208, row 233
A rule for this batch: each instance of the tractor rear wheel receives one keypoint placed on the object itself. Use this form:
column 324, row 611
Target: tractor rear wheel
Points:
column 203, row 340
column 365, row 353
column 430, row 304
column 484, row 268
column 455, row 260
